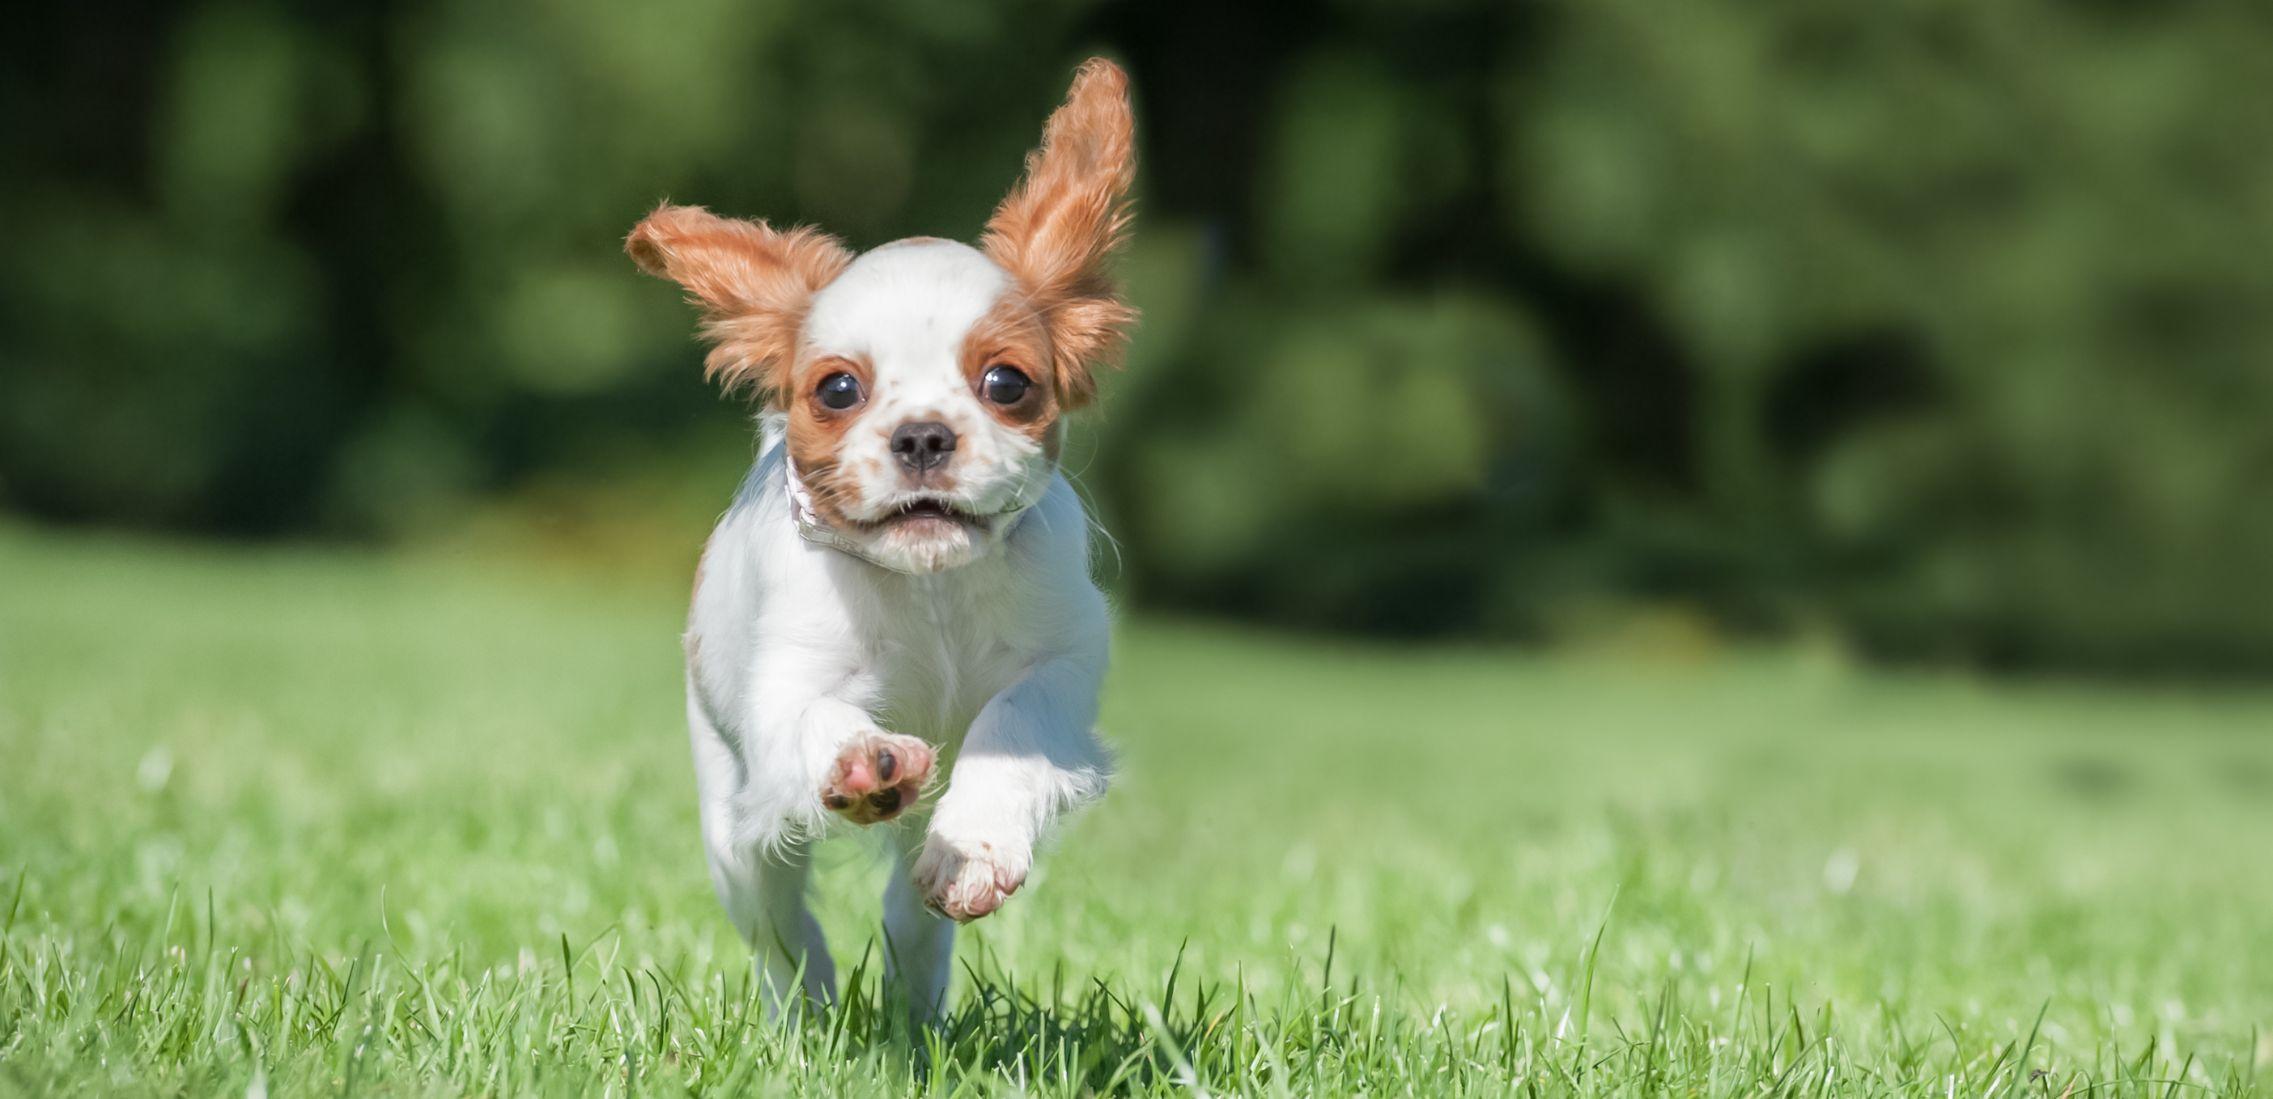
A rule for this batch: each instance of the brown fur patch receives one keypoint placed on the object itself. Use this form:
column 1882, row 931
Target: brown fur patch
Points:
column 816, row 433
column 1057, row 230
column 1012, row 334
column 752, row 282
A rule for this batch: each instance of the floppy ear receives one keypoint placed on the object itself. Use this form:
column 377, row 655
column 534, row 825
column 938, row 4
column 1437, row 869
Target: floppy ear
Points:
column 752, row 283
column 1056, row 231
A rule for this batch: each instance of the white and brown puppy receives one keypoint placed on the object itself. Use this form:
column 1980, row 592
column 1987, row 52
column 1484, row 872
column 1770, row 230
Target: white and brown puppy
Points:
column 904, row 574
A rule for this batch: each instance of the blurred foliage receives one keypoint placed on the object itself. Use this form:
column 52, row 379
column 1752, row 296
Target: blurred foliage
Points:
column 1944, row 326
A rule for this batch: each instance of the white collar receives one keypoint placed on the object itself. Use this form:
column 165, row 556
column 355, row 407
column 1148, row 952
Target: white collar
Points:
column 810, row 525
column 814, row 529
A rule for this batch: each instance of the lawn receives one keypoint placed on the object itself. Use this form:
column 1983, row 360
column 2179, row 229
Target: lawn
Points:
column 308, row 821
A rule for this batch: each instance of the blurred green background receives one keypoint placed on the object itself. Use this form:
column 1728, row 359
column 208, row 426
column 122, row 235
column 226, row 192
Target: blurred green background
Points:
column 1936, row 329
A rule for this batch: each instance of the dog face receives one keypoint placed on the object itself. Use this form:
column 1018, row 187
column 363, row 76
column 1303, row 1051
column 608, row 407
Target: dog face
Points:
column 923, row 381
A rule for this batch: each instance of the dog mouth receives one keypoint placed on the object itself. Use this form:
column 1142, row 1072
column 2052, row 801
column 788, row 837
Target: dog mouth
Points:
column 929, row 511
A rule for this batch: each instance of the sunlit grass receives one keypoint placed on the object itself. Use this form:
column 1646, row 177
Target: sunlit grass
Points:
column 321, row 821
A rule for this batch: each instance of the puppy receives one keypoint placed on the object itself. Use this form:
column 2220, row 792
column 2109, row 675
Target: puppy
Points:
column 903, row 577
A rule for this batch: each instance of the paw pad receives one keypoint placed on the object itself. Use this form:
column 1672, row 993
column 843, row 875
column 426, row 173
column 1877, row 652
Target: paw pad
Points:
column 878, row 777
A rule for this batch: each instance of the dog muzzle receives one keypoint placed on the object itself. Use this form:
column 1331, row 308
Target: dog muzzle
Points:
column 814, row 529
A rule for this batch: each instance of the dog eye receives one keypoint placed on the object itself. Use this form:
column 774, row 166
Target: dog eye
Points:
column 839, row 391
column 1005, row 384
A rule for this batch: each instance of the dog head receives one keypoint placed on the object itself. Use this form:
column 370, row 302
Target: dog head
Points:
column 923, row 381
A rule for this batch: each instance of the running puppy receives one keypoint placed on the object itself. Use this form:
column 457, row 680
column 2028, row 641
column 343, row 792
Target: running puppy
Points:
column 903, row 577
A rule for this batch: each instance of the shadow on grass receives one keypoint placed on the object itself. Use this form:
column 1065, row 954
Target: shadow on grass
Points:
column 1086, row 1039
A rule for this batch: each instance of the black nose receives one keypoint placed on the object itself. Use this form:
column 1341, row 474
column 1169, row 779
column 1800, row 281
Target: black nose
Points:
column 923, row 446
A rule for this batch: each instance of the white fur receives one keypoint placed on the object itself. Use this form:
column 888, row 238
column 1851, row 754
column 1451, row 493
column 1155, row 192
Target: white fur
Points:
column 990, row 647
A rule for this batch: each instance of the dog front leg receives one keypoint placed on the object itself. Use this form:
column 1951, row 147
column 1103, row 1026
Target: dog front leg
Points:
column 1032, row 754
column 800, row 757
column 758, row 864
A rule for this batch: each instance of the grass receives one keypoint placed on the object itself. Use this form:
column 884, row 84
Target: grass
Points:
column 312, row 821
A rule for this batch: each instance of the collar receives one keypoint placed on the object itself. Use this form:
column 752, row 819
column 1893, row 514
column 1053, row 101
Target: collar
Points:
column 810, row 525
column 814, row 529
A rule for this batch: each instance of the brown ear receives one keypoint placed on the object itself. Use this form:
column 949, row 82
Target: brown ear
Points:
column 752, row 283
column 1056, row 231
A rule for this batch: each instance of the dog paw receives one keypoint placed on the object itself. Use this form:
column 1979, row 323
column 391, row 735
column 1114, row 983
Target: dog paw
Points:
column 964, row 880
column 877, row 777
